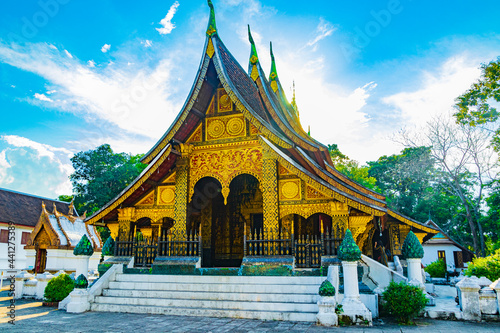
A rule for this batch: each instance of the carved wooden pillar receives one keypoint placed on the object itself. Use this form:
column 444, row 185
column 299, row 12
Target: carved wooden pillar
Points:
column 181, row 193
column 270, row 193
column 125, row 216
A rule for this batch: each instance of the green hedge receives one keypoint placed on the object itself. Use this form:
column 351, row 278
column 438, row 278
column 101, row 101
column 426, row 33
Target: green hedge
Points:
column 84, row 247
column 436, row 269
column 403, row 301
column 58, row 288
column 81, row 282
column 487, row 266
column 326, row 289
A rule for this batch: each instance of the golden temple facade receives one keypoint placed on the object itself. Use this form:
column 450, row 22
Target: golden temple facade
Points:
column 236, row 167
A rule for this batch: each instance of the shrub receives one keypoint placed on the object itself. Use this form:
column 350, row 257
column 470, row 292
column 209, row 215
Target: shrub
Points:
column 437, row 268
column 326, row 289
column 84, row 247
column 412, row 248
column 58, row 288
column 487, row 266
column 404, row 301
column 81, row 282
column 348, row 250
column 108, row 248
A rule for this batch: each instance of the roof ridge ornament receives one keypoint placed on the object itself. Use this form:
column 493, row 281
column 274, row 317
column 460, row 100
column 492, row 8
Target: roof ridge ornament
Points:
column 212, row 26
column 273, row 76
column 253, row 53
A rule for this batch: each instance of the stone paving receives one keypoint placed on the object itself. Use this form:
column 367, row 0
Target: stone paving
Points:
column 32, row 317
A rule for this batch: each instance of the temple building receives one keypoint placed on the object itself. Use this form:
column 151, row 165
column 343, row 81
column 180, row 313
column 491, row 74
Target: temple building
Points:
column 236, row 177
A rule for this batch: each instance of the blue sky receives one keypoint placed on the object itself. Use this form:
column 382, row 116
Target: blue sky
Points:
column 76, row 74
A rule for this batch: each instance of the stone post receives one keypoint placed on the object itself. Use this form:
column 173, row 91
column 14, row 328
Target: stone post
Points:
column 19, row 284
column 79, row 301
column 82, row 265
column 496, row 287
column 333, row 277
column 349, row 254
column 43, row 280
column 415, row 271
column 469, row 291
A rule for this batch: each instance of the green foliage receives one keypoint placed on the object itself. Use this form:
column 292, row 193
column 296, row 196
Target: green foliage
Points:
column 403, row 301
column 108, row 248
column 81, row 282
column 474, row 106
column 100, row 175
column 58, row 288
column 486, row 266
column 351, row 168
column 348, row 250
column 326, row 289
column 436, row 269
column 84, row 247
column 65, row 198
column 412, row 248
column 404, row 178
column 104, row 232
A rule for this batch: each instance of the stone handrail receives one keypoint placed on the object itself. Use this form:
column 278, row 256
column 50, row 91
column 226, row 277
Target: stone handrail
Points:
column 381, row 274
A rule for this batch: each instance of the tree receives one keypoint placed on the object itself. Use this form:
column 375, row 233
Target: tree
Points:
column 405, row 178
column 474, row 106
column 100, row 175
column 65, row 198
column 464, row 165
column 351, row 168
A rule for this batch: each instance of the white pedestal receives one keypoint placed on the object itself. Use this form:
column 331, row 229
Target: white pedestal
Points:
column 351, row 304
column 469, row 299
column 79, row 301
column 333, row 277
column 326, row 315
column 415, row 272
column 82, row 266
column 19, row 284
column 43, row 280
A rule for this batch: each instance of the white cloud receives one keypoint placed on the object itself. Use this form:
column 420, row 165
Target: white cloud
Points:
column 105, row 48
column 68, row 54
column 12, row 86
column 166, row 22
column 123, row 96
column 147, row 43
column 437, row 92
column 34, row 167
column 323, row 30
column 5, row 178
column 42, row 97
column 91, row 63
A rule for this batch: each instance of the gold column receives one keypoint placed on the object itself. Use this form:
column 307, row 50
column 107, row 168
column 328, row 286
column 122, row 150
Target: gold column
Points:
column 181, row 193
column 125, row 216
column 270, row 193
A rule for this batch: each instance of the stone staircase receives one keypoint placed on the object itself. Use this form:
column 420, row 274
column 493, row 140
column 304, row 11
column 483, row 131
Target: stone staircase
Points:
column 250, row 297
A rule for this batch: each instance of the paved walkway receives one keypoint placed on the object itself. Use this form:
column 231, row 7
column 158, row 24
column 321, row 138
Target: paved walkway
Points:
column 32, row 317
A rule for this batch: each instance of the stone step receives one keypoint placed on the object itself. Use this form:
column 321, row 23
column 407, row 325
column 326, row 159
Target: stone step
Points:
column 209, row 304
column 193, row 279
column 217, row 287
column 179, row 311
column 244, row 297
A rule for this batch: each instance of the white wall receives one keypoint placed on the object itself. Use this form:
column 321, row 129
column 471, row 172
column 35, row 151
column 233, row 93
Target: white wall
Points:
column 64, row 259
column 431, row 254
column 20, row 253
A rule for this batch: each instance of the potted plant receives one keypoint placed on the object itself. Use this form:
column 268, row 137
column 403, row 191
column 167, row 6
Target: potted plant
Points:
column 326, row 315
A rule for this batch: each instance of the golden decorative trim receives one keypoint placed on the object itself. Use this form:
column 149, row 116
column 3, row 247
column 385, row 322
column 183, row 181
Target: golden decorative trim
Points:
column 148, row 200
column 411, row 223
column 224, row 127
column 224, row 103
column 290, row 190
column 255, row 73
column 166, row 195
column 210, row 47
column 196, row 136
column 312, row 194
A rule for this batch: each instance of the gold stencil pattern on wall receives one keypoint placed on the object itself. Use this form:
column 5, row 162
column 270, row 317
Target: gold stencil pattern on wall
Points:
column 166, row 195
column 196, row 136
column 290, row 189
column 147, row 200
column 225, row 103
column 225, row 127
column 312, row 194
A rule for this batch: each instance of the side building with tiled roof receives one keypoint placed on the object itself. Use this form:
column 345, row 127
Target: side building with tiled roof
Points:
column 21, row 212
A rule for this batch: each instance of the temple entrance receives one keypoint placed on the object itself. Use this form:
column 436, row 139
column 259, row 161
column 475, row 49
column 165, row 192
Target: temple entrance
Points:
column 223, row 225
column 41, row 260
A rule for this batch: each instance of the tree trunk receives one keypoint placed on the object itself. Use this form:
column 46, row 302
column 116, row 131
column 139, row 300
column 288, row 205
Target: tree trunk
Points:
column 472, row 225
column 481, row 237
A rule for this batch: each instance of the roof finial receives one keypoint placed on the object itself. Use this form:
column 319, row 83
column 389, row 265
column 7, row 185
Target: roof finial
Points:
column 253, row 53
column 294, row 102
column 274, row 74
column 212, row 26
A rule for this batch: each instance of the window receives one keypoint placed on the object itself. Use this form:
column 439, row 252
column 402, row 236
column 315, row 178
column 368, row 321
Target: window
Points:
column 24, row 238
column 459, row 261
column 4, row 236
column 442, row 255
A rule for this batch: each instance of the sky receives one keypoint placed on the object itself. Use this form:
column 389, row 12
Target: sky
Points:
column 77, row 74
